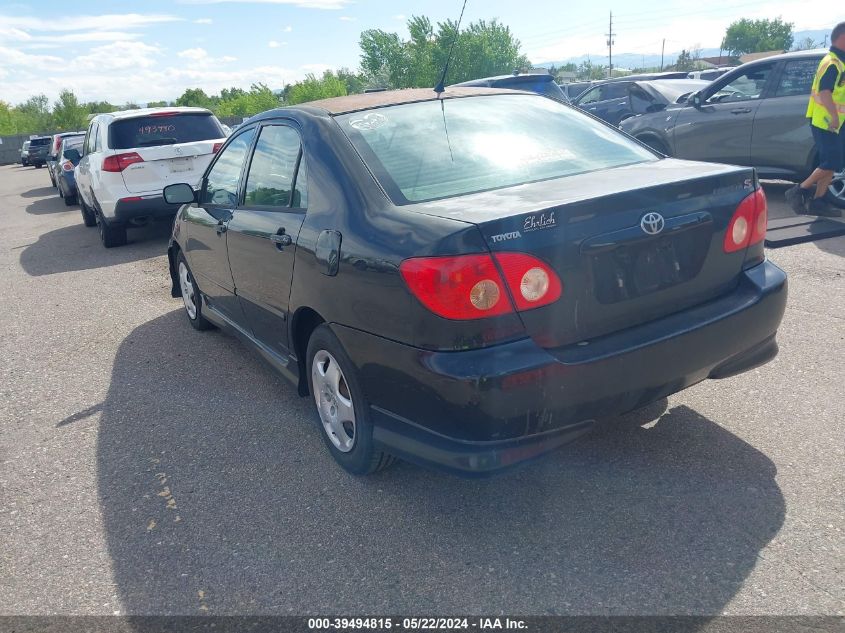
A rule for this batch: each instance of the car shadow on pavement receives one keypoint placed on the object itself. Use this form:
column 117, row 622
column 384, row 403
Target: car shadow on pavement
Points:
column 218, row 497
column 53, row 204
column 41, row 192
column 78, row 247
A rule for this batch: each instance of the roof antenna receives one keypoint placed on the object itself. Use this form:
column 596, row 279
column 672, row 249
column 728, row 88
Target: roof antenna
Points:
column 439, row 87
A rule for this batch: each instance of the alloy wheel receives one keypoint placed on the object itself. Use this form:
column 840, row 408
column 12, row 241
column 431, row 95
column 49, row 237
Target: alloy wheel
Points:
column 837, row 187
column 334, row 401
column 187, row 286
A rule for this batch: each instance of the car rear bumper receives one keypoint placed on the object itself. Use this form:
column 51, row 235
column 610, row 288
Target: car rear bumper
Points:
column 143, row 207
column 480, row 411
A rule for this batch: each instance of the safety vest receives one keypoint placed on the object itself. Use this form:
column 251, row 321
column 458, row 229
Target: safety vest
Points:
column 815, row 109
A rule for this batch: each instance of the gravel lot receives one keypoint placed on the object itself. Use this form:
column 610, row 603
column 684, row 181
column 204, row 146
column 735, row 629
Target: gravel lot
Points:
column 146, row 468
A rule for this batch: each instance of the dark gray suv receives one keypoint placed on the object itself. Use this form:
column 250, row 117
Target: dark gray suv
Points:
column 753, row 115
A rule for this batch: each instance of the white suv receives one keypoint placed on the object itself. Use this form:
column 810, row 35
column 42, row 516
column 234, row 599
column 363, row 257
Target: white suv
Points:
column 129, row 157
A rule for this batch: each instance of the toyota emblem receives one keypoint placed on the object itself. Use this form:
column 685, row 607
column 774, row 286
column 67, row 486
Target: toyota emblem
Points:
column 652, row 223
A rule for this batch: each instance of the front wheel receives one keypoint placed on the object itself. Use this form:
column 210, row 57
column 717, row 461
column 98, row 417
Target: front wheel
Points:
column 342, row 411
column 88, row 217
column 836, row 192
column 191, row 296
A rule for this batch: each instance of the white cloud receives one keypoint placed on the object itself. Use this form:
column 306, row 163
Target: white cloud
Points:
column 122, row 56
column 275, row 44
column 199, row 58
column 203, row 21
column 305, row 4
column 347, row 18
column 85, row 22
column 194, row 54
column 287, row 29
column 399, row 17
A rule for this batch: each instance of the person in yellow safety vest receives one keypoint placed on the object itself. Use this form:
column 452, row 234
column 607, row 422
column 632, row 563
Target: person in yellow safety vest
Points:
column 826, row 112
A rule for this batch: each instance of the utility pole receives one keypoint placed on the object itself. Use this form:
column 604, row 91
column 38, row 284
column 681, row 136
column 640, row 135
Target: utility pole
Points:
column 610, row 42
column 825, row 41
column 662, row 48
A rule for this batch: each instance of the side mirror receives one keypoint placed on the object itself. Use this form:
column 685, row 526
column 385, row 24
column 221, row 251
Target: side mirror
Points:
column 72, row 155
column 695, row 99
column 179, row 193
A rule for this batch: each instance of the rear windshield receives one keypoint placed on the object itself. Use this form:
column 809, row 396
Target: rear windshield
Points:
column 36, row 142
column 439, row 149
column 74, row 142
column 541, row 84
column 163, row 130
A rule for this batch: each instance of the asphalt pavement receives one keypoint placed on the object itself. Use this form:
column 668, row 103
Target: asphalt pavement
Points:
column 146, row 468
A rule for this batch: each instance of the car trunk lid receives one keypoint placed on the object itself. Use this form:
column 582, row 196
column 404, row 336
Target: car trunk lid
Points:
column 166, row 164
column 593, row 230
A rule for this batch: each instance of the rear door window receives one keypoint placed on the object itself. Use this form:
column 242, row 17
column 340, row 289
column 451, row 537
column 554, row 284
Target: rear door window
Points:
column 797, row 78
column 272, row 180
column 163, row 129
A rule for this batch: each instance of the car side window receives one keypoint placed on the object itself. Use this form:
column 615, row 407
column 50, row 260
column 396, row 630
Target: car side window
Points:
column 98, row 144
column 592, row 96
column 221, row 187
column 746, row 86
column 797, row 78
column 615, row 90
column 272, row 179
column 89, row 140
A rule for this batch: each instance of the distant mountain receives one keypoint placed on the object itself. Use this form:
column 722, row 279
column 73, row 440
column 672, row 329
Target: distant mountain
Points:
column 637, row 60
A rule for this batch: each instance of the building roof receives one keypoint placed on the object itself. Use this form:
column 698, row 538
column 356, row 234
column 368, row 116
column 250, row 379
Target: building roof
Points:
column 750, row 57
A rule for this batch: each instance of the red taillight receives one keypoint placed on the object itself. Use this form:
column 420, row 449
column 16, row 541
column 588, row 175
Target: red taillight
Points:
column 471, row 287
column 163, row 114
column 461, row 287
column 119, row 162
column 531, row 281
column 216, row 148
column 57, row 144
column 67, row 166
column 748, row 224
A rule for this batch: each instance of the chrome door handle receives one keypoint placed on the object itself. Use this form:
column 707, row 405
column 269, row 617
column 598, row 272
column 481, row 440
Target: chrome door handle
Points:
column 282, row 239
column 221, row 228
column 741, row 111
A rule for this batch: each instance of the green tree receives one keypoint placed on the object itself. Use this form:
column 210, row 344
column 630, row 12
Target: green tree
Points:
column 480, row 50
column 753, row 36
column 68, row 114
column 808, row 43
column 312, row 88
column 156, row 104
column 195, row 97
column 239, row 102
column 96, row 107
column 685, row 61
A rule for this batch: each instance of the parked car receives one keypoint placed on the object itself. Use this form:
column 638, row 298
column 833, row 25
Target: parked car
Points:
column 753, row 115
column 711, row 74
column 541, row 83
column 39, row 149
column 53, row 156
column 128, row 157
column 613, row 102
column 69, row 155
column 469, row 281
column 25, row 154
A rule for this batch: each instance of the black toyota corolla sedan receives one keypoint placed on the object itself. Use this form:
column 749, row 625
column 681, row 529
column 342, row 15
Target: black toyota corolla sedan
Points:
column 471, row 279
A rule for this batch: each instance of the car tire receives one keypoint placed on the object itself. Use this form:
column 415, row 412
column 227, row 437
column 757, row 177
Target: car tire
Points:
column 38, row 166
column 191, row 296
column 338, row 395
column 54, row 183
column 111, row 234
column 88, row 217
column 836, row 192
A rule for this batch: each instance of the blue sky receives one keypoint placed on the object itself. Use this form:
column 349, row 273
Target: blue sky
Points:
column 140, row 51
